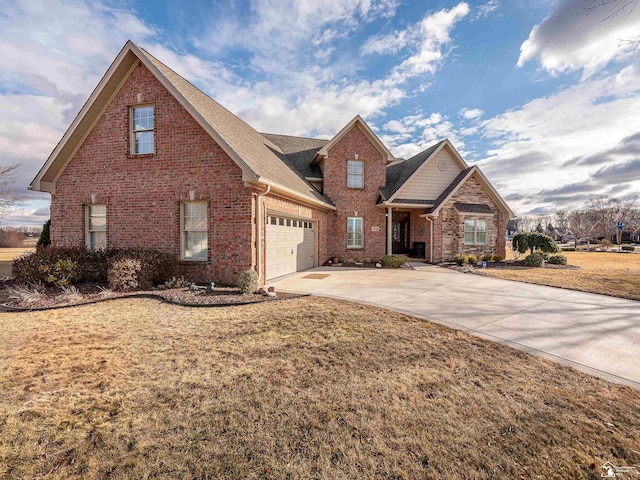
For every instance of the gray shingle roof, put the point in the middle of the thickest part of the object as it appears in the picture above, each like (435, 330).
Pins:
(262, 156)
(472, 207)
(447, 191)
(399, 173)
(300, 151)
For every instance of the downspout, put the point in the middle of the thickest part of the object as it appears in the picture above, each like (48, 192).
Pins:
(430, 239)
(259, 232)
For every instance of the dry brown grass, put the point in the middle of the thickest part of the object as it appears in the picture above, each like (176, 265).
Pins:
(615, 274)
(8, 254)
(307, 388)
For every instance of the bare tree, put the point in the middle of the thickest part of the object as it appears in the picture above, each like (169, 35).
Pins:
(601, 209)
(8, 197)
(562, 219)
(612, 9)
(581, 225)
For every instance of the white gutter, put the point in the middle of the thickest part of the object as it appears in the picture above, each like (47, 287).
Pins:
(259, 231)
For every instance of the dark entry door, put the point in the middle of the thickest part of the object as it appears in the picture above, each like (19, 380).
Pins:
(400, 233)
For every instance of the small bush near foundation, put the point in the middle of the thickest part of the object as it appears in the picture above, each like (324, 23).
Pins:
(126, 274)
(534, 260)
(486, 257)
(177, 282)
(460, 258)
(138, 269)
(248, 281)
(472, 259)
(558, 259)
(61, 274)
(498, 258)
(393, 261)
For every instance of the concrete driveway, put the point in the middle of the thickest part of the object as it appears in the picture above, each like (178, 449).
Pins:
(594, 333)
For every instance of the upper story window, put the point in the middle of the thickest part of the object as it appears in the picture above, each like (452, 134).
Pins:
(475, 232)
(142, 134)
(96, 222)
(355, 174)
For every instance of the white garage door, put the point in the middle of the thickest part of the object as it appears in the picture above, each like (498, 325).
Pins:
(290, 246)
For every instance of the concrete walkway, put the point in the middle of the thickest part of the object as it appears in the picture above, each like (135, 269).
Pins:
(594, 333)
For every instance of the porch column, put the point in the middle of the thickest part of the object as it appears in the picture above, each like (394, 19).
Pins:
(389, 227)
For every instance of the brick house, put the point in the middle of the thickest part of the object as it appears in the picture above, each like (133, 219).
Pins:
(152, 162)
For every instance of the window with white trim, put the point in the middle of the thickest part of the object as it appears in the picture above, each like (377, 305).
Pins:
(96, 222)
(193, 226)
(355, 174)
(142, 133)
(475, 232)
(355, 232)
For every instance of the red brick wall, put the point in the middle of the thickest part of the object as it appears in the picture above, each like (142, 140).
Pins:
(349, 200)
(143, 193)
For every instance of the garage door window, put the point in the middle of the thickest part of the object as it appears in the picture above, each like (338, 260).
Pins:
(194, 231)
(355, 236)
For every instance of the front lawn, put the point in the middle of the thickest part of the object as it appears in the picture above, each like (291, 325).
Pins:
(304, 388)
(615, 274)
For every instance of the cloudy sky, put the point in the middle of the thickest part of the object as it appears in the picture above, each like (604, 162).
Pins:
(543, 95)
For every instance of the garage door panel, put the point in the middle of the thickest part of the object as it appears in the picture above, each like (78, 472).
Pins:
(290, 246)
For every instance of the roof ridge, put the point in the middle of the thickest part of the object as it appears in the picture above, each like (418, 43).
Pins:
(295, 136)
(203, 93)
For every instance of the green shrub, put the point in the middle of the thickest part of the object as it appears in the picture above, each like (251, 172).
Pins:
(628, 248)
(60, 274)
(498, 258)
(534, 260)
(486, 257)
(533, 241)
(45, 235)
(393, 261)
(248, 281)
(472, 259)
(460, 259)
(558, 259)
(568, 249)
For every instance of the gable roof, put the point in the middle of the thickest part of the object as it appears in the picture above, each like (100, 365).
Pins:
(472, 207)
(261, 160)
(300, 151)
(453, 187)
(399, 173)
(357, 120)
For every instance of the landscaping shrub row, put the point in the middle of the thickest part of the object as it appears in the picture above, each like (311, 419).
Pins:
(121, 269)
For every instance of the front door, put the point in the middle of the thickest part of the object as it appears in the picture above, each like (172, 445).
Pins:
(400, 227)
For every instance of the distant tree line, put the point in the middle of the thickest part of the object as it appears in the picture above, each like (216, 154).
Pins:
(596, 221)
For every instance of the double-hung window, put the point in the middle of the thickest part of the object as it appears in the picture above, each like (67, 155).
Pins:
(475, 232)
(142, 134)
(355, 232)
(96, 222)
(355, 174)
(194, 231)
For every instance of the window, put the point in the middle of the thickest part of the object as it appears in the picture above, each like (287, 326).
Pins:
(355, 174)
(96, 227)
(475, 232)
(355, 237)
(142, 140)
(194, 231)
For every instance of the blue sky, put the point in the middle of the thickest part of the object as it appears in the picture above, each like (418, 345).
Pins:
(543, 95)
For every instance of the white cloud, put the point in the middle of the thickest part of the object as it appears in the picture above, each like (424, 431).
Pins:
(536, 145)
(486, 9)
(471, 113)
(429, 40)
(571, 39)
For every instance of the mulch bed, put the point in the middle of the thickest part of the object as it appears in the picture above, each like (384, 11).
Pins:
(507, 265)
(54, 297)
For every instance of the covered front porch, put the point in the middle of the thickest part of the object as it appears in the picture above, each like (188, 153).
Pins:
(408, 233)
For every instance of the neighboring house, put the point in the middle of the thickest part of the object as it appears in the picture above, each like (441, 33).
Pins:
(152, 162)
